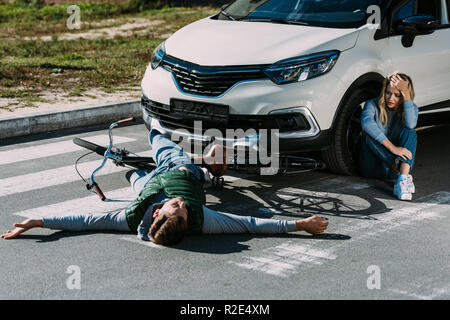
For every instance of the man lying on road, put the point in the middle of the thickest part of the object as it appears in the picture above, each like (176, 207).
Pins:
(171, 204)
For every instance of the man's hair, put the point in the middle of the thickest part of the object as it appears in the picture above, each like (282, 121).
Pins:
(168, 231)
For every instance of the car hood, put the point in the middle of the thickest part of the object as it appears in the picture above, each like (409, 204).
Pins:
(212, 42)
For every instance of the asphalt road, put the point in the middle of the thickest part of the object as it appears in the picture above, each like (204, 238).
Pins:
(376, 247)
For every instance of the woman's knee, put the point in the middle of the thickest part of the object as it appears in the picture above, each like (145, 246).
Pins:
(408, 139)
(408, 132)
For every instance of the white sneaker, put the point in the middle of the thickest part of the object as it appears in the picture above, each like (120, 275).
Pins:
(411, 187)
(401, 189)
(155, 124)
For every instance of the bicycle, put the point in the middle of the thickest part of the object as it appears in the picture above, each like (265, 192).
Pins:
(123, 157)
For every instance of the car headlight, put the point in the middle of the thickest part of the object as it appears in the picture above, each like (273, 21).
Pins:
(158, 55)
(302, 68)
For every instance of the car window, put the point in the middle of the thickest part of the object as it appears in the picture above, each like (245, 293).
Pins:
(407, 10)
(429, 8)
(323, 13)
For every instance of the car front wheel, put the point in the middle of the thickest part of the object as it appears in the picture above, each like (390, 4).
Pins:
(342, 155)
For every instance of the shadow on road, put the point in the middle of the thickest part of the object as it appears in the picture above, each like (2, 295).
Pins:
(57, 235)
(306, 194)
(264, 199)
(234, 243)
(213, 244)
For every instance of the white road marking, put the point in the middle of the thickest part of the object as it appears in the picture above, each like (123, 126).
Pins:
(284, 260)
(436, 293)
(120, 198)
(54, 177)
(425, 208)
(52, 149)
(134, 239)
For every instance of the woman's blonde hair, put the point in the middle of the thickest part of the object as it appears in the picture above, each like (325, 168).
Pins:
(382, 100)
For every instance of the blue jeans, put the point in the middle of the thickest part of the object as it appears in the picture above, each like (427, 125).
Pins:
(375, 160)
(168, 156)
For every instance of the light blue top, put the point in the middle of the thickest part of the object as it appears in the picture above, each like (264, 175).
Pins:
(371, 123)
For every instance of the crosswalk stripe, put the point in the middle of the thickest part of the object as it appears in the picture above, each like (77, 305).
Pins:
(52, 149)
(120, 198)
(134, 239)
(284, 260)
(425, 208)
(57, 176)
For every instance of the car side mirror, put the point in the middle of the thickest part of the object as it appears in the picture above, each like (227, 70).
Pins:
(414, 26)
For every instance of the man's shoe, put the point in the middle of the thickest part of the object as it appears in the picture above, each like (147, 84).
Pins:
(401, 189)
(155, 124)
(217, 169)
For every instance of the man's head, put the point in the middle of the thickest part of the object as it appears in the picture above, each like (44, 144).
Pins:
(170, 222)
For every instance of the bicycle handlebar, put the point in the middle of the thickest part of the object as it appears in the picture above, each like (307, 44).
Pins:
(98, 191)
(126, 121)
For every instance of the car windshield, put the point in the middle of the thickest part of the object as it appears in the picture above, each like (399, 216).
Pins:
(322, 13)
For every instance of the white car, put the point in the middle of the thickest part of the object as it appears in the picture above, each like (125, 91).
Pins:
(304, 67)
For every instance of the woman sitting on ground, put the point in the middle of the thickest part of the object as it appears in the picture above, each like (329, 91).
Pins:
(389, 138)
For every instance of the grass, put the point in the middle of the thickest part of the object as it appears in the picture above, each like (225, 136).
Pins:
(25, 98)
(30, 65)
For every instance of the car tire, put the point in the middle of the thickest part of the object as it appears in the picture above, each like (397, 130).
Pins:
(342, 155)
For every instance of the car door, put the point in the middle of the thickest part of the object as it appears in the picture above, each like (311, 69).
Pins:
(427, 61)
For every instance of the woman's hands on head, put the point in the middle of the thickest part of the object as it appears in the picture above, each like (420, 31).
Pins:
(402, 85)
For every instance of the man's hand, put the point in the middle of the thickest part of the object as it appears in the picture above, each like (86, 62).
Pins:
(22, 227)
(313, 225)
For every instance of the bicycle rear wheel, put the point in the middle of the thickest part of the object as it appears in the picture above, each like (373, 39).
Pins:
(143, 163)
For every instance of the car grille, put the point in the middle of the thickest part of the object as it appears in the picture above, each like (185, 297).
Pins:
(245, 122)
(210, 81)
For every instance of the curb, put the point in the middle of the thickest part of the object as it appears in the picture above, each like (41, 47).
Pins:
(77, 118)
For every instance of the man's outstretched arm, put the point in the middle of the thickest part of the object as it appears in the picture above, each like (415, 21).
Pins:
(216, 222)
(22, 227)
(111, 221)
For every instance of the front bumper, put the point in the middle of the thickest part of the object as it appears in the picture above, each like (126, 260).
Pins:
(310, 139)
(252, 105)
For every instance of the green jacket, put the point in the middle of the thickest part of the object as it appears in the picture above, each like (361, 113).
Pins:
(175, 183)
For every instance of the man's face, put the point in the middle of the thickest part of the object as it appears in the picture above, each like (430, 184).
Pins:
(173, 207)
